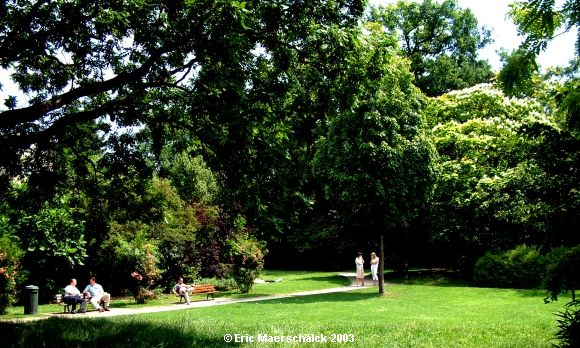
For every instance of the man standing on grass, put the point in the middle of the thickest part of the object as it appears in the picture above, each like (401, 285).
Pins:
(98, 295)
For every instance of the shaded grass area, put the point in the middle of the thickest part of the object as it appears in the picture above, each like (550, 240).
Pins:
(408, 315)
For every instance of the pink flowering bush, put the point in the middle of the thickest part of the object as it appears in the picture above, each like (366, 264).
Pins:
(10, 255)
(247, 255)
(141, 294)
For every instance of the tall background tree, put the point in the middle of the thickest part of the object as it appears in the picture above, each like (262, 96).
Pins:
(441, 40)
(375, 162)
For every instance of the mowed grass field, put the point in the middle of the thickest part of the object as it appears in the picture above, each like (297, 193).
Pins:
(407, 315)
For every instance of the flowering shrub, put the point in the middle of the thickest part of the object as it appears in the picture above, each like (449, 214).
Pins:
(141, 294)
(10, 255)
(247, 255)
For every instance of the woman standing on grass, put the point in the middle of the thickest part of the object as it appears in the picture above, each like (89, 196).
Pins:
(360, 272)
(374, 268)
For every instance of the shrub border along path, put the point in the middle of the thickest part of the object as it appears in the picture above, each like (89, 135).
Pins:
(196, 304)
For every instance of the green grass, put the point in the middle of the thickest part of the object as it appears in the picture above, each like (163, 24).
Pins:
(292, 281)
(408, 315)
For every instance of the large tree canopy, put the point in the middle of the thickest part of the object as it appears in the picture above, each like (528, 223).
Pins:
(78, 61)
(441, 40)
(507, 174)
(128, 59)
(120, 90)
(374, 162)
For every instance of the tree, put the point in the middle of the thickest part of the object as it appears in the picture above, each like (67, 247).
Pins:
(539, 22)
(374, 162)
(232, 80)
(440, 40)
(507, 174)
(518, 73)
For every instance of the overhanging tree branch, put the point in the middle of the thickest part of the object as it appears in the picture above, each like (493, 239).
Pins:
(24, 140)
(11, 118)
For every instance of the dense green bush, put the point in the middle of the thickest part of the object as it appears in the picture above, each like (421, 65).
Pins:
(522, 267)
(220, 284)
(562, 271)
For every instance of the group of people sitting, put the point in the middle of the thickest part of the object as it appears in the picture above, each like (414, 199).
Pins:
(93, 292)
(96, 295)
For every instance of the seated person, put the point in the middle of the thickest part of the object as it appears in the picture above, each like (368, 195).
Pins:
(72, 296)
(98, 295)
(181, 289)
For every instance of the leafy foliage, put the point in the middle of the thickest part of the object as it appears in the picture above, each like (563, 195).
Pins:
(247, 255)
(374, 161)
(441, 41)
(517, 75)
(522, 267)
(507, 173)
(563, 275)
(539, 20)
(10, 255)
(562, 272)
(568, 332)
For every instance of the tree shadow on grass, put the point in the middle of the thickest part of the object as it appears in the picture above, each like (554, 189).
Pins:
(448, 278)
(429, 277)
(58, 332)
(348, 296)
(336, 279)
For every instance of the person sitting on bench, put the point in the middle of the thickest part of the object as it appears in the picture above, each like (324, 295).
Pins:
(181, 289)
(98, 295)
(72, 296)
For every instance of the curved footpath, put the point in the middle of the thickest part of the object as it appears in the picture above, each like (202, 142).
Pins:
(202, 303)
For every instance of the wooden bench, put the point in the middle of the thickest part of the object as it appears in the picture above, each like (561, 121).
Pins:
(59, 299)
(207, 289)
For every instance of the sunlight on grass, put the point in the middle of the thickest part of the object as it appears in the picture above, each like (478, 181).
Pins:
(408, 315)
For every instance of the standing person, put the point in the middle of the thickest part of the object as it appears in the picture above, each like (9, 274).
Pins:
(98, 295)
(181, 289)
(374, 268)
(72, 296)
(360, 272)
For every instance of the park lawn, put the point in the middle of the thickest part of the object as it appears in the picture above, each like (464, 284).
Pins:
(406, 316)
(291, 281)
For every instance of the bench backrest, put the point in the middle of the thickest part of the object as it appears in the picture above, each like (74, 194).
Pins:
(203, 288)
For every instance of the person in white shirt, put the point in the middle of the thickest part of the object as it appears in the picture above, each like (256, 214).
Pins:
(98, 295)
(72, 296)
(375, 268)
(181, 289)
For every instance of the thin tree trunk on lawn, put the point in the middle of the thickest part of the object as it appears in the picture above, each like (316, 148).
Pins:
(381, 267)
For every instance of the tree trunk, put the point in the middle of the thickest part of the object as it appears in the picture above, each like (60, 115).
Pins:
(381, 267)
